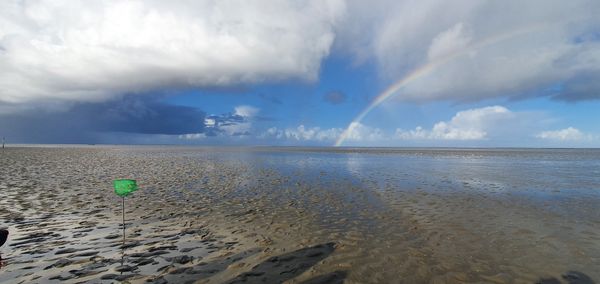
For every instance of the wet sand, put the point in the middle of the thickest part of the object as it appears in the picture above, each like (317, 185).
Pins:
(270, 215)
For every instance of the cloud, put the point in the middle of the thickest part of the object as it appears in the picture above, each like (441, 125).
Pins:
(478, 50)
(473, 124)
(359, 133)
(192, 136)
(490, 126)
(334, 97)
(567, 134)
(101, 122)
(486, 126)
(246, 111)
(448, 42)
(584, 87)
(87, 52)
(302, 133)
(77, 51)
(237, 123)
(229, 124)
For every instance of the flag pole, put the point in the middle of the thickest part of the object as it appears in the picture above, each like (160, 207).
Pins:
(123, 221)
(123, 246)
(124, 187)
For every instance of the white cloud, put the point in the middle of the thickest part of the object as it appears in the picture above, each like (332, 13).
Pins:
(236, 129)
(246, 111)
(302, 133)
(236, 124)
(485, 126)
(358, 133)
(192, 136)
(472, 124)
(91, 51)
(497, 48)
(449, 41)
(210, 122)
(567, 134)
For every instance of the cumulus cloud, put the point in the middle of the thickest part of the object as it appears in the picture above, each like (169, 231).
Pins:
(479, 49)
(358, 133)
(236, 123)
(472, 124)
(92, 51)
(302, 133)
(246, 111)
(70, 63)
(485, 126)
(567, 134)
(192, 136)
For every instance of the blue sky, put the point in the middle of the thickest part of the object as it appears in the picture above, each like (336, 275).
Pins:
(468, 73)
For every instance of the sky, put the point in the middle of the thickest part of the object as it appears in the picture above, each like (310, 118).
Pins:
(385, 73)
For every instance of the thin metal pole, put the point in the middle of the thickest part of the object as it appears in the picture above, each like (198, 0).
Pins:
(123, 221)
(123, 246)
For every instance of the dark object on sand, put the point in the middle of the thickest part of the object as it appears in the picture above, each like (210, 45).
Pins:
(3, 236)
(576, 277)
(572, 277)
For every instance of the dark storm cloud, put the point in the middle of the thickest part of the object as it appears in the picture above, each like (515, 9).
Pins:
(584, 87)
(85, 122)
(334, 97)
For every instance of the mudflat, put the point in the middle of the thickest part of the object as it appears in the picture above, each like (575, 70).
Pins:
(301, 215)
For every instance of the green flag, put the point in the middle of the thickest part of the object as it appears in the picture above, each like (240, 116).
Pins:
(124, 187)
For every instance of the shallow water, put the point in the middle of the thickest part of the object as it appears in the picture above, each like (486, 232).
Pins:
(392, 215)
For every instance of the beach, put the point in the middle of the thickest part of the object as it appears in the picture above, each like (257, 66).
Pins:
(300, 215)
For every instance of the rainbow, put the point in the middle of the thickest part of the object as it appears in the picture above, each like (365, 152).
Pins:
(424, 70)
